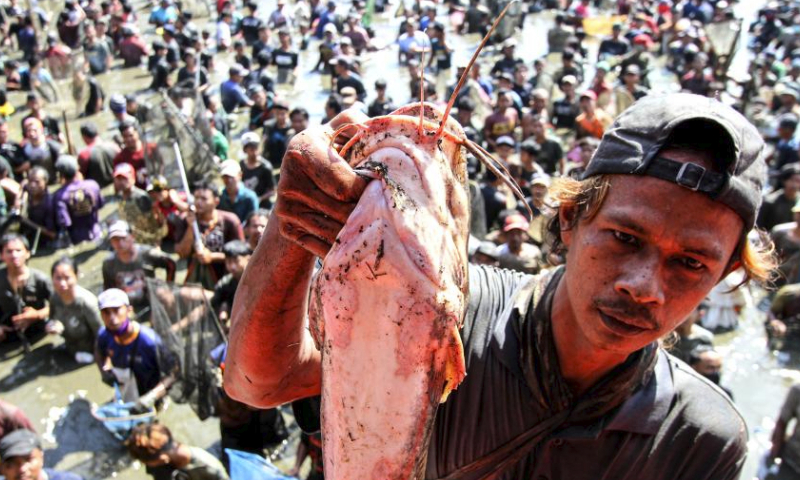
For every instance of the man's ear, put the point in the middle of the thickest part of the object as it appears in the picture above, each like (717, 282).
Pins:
(567, 219)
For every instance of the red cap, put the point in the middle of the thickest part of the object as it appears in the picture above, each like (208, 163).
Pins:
(125, 170)
(643, 39)
(516, 222)
(589, 94)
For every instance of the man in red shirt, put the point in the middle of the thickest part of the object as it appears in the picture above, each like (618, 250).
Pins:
(132, 48)
(135, 152)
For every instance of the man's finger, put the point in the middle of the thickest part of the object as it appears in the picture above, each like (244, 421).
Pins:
(309, 242)
(307, 220)
(311, 157)
(316, 201)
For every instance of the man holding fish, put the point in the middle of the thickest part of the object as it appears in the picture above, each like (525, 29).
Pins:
(565, 377)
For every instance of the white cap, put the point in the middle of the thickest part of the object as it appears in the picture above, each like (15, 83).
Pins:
(230, 168)
(119, 228)
(113, 298)
(250, 138)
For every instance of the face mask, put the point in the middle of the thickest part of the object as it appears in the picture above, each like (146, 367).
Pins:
(122, 328)
(713, 377)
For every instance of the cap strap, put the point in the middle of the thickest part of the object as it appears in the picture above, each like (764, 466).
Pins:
(687, 174)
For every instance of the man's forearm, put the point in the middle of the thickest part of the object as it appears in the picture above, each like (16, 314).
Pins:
(268, 339)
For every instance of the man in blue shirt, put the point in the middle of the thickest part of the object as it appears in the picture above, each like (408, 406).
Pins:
(21, 457)
(165, 13)
(235, 196)
(131, 355)
(232, 92)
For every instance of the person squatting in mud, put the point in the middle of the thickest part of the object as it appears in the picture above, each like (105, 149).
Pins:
(565, 376)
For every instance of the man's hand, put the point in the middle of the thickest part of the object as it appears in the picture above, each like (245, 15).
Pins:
(54, 327)
(204, 256)
(318, 189)
(4, 331)
(777, 328)
(23, 320)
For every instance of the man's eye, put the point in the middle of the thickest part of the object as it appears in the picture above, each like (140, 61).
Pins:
(625, 238)
(692, 264)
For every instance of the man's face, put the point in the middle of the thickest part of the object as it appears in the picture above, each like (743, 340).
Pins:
(299, 122)
(515, 238)
(259, 98)
(538, 128)
(710, 364)
(3, 133)
(15, 253)
(123, 183)
(36, 184)
(235, 265)
(504, 151)
(114, 317)
(129, 138)
(255, 228)
(538, 192)
(230, 181)
(645, 261)
(587, 104)
(205, 202)
(568, 88)
(28, 467)
(503, 102)
(280, 115)
(33, 131)
(122, 245)
(792, 184)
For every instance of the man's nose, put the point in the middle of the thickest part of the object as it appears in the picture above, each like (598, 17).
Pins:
(641, 281)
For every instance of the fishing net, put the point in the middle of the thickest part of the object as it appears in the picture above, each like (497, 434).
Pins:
(183, 317)
(179, 117)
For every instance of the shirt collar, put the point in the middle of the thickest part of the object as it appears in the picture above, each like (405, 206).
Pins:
(643, 412)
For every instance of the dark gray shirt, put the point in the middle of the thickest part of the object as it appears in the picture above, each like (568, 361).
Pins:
(679, 426)
(81, 320)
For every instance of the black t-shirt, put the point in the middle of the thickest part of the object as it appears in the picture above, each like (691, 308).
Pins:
(35, 293)
(159, 69)
(613, 47)
(284, 59)
(376, 108)
(276, 140)
(130, 277)
(224, 291)
(352, 81)
(188, 79)
(565, 113)
(259, 179)
(12, 152)
(250, 26)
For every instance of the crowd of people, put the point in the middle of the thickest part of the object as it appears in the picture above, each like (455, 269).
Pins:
(541, 120)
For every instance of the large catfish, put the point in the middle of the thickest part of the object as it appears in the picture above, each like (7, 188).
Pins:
(387, 305)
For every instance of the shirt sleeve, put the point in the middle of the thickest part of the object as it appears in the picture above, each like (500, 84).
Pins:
(789, 409)
(63, 219)
(93, 318)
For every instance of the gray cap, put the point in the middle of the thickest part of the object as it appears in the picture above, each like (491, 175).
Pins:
(632, 145)
(19, 443)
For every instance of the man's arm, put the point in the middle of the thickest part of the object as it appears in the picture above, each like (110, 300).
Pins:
(270, 324)
(272, 358)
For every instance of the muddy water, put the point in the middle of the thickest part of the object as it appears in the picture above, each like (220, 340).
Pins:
(44, 384)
